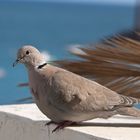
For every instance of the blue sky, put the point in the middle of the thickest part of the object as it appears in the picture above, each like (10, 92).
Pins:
(120, 2)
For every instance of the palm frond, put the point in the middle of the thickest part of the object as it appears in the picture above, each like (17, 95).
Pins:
(115, 63)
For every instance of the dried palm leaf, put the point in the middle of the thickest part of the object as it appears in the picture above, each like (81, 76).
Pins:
(114, 63)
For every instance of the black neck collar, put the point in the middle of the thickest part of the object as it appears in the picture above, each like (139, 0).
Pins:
(42, 65)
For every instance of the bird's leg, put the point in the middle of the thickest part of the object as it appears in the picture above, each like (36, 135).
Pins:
(63, 124)
(50, 122)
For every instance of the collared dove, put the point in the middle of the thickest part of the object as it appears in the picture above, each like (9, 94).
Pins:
(65, 97)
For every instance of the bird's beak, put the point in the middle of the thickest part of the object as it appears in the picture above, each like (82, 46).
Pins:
(16, 62)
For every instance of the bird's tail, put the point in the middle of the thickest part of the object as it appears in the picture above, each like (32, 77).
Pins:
(129, 111)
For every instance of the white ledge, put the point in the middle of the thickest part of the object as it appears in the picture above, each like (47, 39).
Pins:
(26, 122)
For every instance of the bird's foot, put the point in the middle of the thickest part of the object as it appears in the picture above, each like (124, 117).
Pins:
(63, 124)
(50, 122)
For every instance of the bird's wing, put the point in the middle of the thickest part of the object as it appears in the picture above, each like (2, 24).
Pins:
(73, 92)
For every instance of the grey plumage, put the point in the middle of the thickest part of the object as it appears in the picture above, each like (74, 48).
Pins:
(64, 96)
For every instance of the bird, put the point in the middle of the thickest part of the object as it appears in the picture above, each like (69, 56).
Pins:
(67, 98)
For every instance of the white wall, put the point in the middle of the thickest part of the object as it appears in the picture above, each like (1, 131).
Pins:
(26, 122)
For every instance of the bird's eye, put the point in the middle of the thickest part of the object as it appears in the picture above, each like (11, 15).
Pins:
(27, 52)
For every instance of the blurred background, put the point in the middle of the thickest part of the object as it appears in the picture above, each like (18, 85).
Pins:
(53, 26)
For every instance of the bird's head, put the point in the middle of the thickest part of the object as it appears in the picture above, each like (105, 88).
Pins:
(30, 56)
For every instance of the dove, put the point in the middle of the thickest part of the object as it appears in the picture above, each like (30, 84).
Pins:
(67, 98)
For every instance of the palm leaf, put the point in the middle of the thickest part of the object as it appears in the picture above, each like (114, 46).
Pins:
(114, 63)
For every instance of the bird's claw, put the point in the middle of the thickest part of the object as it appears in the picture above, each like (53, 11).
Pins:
(62, 125)
(50, 122)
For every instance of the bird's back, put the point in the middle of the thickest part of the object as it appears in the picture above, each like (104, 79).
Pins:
(64, 95)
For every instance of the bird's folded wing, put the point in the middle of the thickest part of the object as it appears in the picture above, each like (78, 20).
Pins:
(70, 91)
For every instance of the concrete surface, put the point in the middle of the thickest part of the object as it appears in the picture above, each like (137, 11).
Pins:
(26, 122)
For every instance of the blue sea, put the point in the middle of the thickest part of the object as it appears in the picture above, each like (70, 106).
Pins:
(51, 27)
